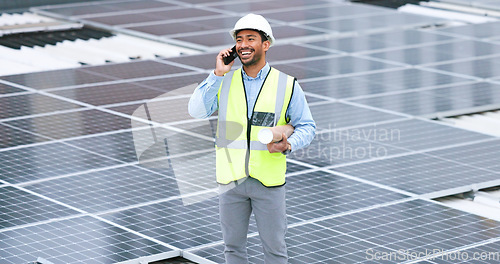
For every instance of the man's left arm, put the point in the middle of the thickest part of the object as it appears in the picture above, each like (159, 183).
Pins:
(301, 119)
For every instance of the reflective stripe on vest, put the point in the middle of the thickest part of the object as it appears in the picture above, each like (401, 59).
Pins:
(238, 152)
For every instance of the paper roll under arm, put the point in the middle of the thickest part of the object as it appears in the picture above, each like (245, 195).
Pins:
(274, 134)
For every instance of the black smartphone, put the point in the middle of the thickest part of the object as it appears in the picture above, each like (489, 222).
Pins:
(231, 57)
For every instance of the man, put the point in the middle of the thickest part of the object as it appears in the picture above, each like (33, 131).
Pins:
(249, 99)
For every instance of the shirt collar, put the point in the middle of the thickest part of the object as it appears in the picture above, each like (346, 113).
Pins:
(260, 76)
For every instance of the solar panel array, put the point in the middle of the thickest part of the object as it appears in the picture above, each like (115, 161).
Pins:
(74, 189)
(480, 4)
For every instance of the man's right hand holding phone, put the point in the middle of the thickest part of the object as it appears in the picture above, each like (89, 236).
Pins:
(220, 67)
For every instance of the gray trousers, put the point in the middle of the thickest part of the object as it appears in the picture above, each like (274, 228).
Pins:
(269, 208)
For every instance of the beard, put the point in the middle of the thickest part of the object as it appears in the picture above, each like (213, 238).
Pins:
(253, 60)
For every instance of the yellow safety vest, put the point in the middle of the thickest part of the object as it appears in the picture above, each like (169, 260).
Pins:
(238, 151)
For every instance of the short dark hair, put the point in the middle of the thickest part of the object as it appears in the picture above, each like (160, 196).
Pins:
(263, 35)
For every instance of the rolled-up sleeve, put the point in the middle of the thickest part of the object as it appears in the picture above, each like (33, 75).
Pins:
(203, 101)
(301, 119)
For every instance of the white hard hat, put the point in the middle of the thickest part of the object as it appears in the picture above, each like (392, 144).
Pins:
(254, 22)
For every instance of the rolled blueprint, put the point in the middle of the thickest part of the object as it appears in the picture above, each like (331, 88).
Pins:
(274, 134)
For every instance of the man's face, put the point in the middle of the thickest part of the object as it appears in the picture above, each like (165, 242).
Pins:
(250, 47)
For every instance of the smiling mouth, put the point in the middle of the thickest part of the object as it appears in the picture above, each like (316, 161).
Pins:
(245, 54)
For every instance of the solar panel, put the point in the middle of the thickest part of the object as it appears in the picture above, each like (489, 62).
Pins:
(419, 103)
(46, 161)
(106, 8)
(483, 253)
(173, 223)
(372, 22)
(336, 65)
(171, 28)
(337, 148)
(384, 40)
(152, 16)
(477, 67)
(136, 69)
(12, 137)
(315, 195)
(478, 155)
(118, 146)
(482, 30)
(109, 94)
(221, 38)
(378, 83)
(21, 105)
(78, 10)
(439, 52)
(406, 230)
(172, 83)
(56, 78)
(188, 229)
(82, 239)
(488, 4)
(421, 174)
(23, 208)
(277, 53)
(7, 89)
(475, 94)
(324, 12)
(109, 189)
(137, 5)
(339, 115)
(248, 7)
(82, 123)
(413, 134)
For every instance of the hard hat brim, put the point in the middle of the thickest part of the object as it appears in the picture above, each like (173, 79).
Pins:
(232, 32)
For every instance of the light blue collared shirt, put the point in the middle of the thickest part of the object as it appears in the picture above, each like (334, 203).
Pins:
(203, 103)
